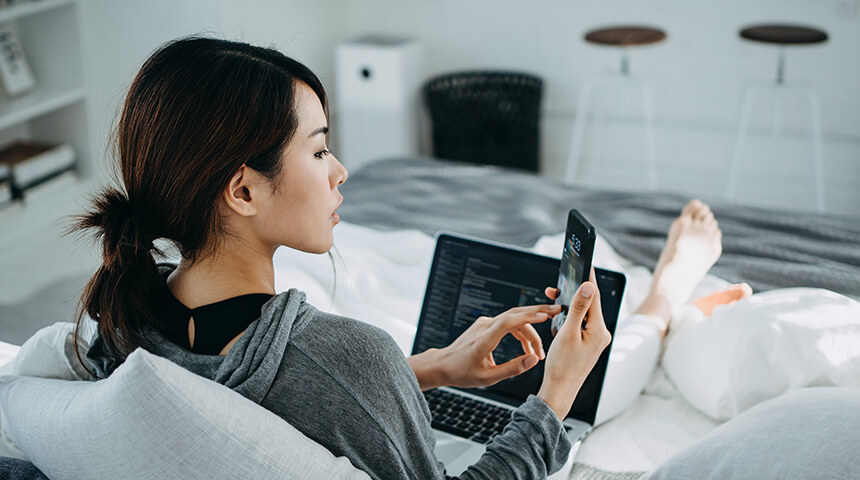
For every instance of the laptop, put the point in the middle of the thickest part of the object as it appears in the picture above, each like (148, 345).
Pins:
(469, 278)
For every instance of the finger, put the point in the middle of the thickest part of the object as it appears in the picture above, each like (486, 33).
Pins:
(596, 329)
(530, 334)
(511, 368)
(551, 292)
(595, 311)
(579, 305)
(528, 347)
(514, 319)
(530, 340)
(547, 308)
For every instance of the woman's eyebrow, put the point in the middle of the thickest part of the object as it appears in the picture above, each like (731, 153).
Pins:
(323, 130)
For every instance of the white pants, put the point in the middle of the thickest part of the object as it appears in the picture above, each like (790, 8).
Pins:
(633, 356)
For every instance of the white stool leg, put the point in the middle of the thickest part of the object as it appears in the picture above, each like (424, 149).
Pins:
(816, 161)
(650, 149)
(776, 119)
(740, 138)
(575, 154)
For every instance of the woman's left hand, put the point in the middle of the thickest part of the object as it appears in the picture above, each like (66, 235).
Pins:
(468, 362)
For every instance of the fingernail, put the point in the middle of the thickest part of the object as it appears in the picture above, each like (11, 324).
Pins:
(555, 307)
(540, 314)
(586, 290)
(531, 362)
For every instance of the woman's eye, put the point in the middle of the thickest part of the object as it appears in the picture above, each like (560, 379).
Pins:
(322, 153)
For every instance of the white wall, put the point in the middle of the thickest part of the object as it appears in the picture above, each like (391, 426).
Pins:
(696, 75)
(118, 36)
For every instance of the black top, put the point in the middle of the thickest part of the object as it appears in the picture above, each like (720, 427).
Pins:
(215, 324)
(784, 34)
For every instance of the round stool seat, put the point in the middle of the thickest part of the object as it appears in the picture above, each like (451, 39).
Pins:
(625, 36)
(784, 34)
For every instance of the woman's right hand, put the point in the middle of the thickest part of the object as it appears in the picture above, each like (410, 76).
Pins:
(574, 350)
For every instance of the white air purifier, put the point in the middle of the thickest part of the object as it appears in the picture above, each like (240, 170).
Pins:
(377, 99)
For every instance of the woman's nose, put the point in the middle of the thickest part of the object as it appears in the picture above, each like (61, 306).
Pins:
(338, 174)
(343, 173)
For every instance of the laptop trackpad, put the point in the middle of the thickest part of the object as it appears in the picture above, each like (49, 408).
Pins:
(456, 453)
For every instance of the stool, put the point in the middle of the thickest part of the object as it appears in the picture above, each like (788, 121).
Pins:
(486, 117)
(782, 35)
(624, 37)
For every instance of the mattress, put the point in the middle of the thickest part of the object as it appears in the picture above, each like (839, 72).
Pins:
(381, 277)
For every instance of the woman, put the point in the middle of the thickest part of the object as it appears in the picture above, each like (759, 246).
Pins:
(222, 152)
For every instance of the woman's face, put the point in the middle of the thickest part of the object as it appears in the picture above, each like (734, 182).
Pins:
(300, 213)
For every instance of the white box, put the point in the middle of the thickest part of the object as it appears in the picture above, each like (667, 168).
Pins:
(377, 99)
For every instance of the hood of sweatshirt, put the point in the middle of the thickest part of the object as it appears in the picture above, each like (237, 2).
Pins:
(251, 364)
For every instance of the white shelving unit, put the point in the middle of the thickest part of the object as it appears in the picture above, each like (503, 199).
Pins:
(55, 111)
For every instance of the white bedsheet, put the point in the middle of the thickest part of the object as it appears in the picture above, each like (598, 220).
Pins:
(382, 279)
(7, 353)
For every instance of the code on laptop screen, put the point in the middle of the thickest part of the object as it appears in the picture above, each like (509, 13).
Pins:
(469, 279)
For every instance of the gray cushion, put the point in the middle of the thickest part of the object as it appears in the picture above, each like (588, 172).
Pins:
(154, 419)
(806, 433)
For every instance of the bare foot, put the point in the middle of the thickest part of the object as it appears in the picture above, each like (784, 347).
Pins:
(732, 294)
(692, 248)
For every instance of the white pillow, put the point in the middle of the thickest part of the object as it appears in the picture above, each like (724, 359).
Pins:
(49, 353)
(763, 346)
(806, 433)
(153, 419)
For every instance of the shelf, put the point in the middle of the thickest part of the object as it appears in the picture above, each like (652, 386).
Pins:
(37, 103)
(43, 207)
(25, 9)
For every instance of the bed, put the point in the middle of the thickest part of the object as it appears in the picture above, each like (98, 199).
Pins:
(394, 207)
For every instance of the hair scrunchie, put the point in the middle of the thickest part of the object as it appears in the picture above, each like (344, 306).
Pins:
(132, 236)
(120, 223)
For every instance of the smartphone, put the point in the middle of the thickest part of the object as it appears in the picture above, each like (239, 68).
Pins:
(575, 266)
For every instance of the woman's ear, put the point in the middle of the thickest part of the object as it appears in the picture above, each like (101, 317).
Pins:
(242, 191)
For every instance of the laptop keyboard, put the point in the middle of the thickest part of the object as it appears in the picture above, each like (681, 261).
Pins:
(465, 417)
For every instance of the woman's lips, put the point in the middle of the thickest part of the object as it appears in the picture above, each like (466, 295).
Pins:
(335, 217)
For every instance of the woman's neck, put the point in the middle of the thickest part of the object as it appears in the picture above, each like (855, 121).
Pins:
(230, 273)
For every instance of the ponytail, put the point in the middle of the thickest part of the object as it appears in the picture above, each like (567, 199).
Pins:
(120, 297)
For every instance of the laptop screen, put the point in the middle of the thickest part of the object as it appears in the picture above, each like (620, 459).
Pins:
(469, 279)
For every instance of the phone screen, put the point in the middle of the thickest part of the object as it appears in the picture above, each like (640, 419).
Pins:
(575, 263)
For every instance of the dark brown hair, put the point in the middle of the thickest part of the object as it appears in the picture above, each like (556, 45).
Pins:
(198, 110)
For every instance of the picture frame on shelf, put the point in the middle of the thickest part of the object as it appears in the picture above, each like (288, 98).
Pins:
(16, 76)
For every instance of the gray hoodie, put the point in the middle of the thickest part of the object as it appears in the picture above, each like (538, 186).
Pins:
(346, 385)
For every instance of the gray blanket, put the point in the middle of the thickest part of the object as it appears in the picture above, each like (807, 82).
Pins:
(765, 247)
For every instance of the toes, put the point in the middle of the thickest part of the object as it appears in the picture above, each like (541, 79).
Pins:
(692, 207)
(704, 213)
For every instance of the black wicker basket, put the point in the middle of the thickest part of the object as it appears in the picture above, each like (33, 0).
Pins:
(486, 117)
